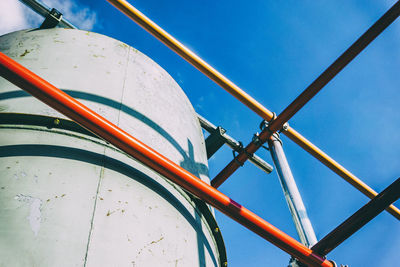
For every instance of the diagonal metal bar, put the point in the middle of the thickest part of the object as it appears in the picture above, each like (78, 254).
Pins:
(313, 89)
(238, 161)
(235, 145)
(358, 219)
(246, 99)
(377, 28)
(59, 100)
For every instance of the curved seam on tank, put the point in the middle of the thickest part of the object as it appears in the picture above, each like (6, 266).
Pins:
(123, 86)
(63, 132)
(37, 128)
(177, 188)
(113, 104)
(180, 149)
(107, 159)
(95, 205)
(183, 193)
(192, 201)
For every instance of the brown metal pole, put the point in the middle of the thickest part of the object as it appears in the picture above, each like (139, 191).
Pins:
(313, 89)
(358, 219)
(309, 147)
(377, 28)
(242, 96)
(238, 161)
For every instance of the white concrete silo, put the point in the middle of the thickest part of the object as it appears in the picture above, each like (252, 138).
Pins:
(68, 198)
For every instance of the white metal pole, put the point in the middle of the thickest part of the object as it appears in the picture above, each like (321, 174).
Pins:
(292, 194)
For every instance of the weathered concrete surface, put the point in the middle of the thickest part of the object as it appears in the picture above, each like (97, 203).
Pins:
(67, 199)
(113, 79)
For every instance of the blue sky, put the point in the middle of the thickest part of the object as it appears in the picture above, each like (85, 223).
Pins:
(274, 50)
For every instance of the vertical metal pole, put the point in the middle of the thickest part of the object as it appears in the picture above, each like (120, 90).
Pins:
(292, 194)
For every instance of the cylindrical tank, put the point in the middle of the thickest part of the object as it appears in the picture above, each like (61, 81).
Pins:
(68, 198)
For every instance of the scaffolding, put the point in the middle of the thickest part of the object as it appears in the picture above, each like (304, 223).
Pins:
(309, 251)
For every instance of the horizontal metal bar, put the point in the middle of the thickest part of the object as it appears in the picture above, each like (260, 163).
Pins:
(59, 100)
(235, 145)
(44, 10)
(358, 219)
(241, 158)
(246, 99)
(205, 124)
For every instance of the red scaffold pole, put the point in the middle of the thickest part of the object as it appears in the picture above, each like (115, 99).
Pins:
(57, 99)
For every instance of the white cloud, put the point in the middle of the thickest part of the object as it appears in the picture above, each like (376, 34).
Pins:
(81, 16)
(16, 16)
(12, 17)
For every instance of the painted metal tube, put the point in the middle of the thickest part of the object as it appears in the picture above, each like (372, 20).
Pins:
(191, 57)
(358, 219)
(44, 10)
(240, 159)
(235, 145)
(314, 88)
(291, 192)
(312, 149)
(54, 97)
(251, 103)
(377, 28)
(337, 168)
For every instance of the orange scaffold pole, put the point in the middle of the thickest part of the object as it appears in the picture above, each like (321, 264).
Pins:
(246, 99)
(70, 107)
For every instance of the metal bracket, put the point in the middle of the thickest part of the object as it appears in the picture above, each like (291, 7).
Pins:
(295, 263)
(256, 139)
(264, 124)
(215, 141)
(52, 19)
(236, 146)
(285, 127)
(276, 136)
(234, 156)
